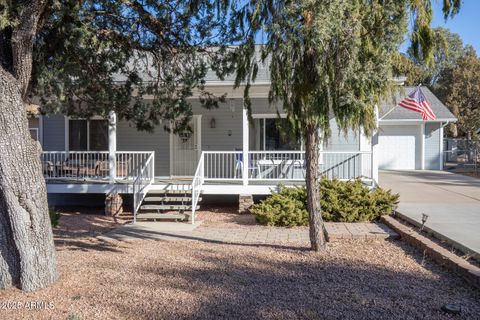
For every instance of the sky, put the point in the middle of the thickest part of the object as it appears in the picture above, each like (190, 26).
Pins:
(466, 23)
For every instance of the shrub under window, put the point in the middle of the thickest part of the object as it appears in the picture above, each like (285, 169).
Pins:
(341, 201)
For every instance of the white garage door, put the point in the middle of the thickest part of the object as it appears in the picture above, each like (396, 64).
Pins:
(397, 147)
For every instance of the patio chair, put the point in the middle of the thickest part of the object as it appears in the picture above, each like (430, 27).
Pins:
(296, 164)
(101, 168)
(252, 167)
(66, 169)
(48, 168)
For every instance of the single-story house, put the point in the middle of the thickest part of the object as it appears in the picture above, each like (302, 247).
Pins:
(101, 156)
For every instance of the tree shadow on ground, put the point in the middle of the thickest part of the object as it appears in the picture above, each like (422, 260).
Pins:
(78, 229)
(286, 284)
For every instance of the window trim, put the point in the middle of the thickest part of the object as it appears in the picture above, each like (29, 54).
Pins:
(67, 131)
(37, 132)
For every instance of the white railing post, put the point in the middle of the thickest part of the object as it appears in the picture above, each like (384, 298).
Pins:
(112, 146)
(245, 147)
(193, 203)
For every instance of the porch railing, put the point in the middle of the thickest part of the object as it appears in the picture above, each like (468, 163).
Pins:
(345, 165)
(144, 177)
(129, 162)
(75, 164)
(90, 165)
(197, 182)
(223, 165)
(285, 165)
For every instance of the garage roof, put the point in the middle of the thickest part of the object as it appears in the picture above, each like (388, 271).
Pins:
(390, 110)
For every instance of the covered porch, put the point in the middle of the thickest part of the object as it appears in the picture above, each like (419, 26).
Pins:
(258, 155)
(193, 170)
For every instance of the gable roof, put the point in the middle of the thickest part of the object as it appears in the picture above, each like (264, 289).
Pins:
(390, 110)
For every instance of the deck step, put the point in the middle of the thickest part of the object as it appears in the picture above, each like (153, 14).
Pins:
(167, 207)
(152, 192)
(169, 199)
(163, 216)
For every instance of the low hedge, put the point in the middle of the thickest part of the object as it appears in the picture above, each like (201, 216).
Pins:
(283, 208)
(341, 201)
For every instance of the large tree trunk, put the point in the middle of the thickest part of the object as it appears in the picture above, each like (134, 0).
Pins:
(317, 233)
(27, 252)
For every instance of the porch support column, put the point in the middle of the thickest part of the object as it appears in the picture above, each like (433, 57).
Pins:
(245, 146)
(374, 148)
(112, 145)
(422, 146)
(365, 145)
(441, 144)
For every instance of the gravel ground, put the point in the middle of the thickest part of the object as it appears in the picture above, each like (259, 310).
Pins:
(225, 217)
(196, 280)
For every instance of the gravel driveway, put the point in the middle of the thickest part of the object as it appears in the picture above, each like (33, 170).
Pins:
(148, 279)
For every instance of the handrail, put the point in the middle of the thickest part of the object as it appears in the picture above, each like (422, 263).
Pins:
(347, 160)
(197, 183)
(142, 182)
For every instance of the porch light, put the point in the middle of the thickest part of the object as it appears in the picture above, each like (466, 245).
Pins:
(213, 123)
(185, 136)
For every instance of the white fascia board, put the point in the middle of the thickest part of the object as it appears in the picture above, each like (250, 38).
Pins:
(414, 121)
(88, 188)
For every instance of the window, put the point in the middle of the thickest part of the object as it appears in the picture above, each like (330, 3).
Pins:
(98, 135)
(88, 135)
(273, 135)
(33, 127)
(34, 133)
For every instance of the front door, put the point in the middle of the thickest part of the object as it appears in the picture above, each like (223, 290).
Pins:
(185, 150)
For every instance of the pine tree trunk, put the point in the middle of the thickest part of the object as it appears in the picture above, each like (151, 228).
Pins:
(317, 234)
(27, 252)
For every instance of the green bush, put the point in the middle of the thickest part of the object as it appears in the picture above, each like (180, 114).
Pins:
(352, 201)
(283, 208)
(341, 201)
(54, 217)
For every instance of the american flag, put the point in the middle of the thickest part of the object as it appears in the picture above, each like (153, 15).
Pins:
(417, 102)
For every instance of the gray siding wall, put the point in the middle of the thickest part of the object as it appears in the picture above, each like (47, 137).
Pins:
(227, 134)
(129, 139)
(54, 133)
(339, 142)
(261, 106)
(432, 146)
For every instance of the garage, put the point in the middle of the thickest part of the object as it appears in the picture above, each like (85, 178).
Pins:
(399, 147)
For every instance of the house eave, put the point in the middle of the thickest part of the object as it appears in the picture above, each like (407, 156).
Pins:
(419, 121)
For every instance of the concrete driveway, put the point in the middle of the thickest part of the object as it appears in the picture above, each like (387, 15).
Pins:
(452, 202)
